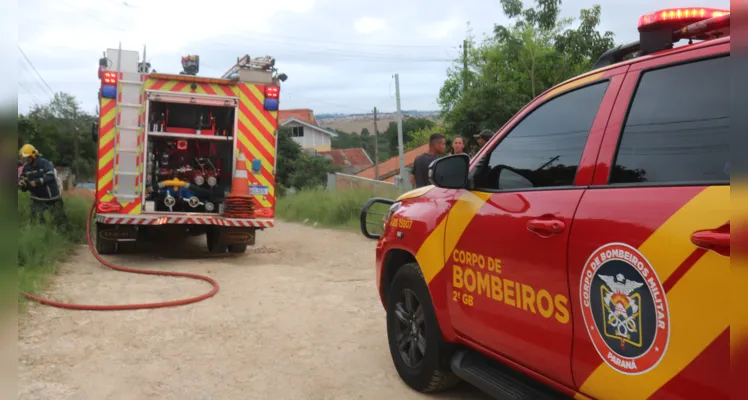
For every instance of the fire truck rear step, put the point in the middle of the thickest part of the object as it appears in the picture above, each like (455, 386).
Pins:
(498, 380)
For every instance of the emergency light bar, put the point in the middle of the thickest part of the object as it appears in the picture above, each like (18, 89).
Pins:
(272, 93)
(659, 30)
(108, 84)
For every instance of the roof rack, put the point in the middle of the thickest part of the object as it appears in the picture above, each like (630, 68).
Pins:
(662, 38)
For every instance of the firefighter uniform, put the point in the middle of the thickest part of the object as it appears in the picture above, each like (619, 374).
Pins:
(39, 178)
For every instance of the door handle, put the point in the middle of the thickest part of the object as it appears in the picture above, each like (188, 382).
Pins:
(717, 240)
(545, 227)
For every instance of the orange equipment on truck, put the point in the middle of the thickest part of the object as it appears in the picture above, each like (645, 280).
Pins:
(175, 152)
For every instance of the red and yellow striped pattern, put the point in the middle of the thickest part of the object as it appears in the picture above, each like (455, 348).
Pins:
(107, 133)
(256, 130)
(170, 85)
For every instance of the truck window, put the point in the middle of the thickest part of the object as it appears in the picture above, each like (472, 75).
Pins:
(677, 126)
(544, 149)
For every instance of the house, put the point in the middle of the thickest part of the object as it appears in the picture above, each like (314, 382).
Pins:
(350, 160)
(391, 167)
(305, 130)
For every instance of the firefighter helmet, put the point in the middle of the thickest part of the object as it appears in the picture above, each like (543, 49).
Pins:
(28, 151)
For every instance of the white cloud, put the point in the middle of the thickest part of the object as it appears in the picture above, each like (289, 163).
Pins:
(445, 28)
(367, 25)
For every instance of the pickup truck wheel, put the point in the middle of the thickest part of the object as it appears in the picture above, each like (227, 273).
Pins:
(415, 339)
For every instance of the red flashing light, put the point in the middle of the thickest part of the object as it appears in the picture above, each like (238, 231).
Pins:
(109, 78)
(182, 145)
(272, 92)
(112, 207)
(678, 17)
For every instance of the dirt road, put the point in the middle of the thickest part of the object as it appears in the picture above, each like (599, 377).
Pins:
(297, 317)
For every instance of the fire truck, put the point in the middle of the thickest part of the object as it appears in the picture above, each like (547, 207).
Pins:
(174, 147)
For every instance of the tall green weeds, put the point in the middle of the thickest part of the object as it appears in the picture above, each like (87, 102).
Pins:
(335, 209)
(42, 246)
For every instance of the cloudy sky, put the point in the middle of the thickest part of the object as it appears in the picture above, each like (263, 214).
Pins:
(339, 55)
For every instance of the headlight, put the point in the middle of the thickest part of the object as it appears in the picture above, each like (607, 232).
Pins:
(393, 208)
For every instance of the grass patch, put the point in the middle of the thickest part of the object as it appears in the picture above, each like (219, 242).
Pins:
(42, 246)
(333, 209)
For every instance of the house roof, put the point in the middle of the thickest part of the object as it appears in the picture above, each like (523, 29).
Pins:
(302, 114)
(392, 166)
(349, 158)
(308, 125)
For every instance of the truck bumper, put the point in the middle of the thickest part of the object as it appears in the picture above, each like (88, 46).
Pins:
(182, 219)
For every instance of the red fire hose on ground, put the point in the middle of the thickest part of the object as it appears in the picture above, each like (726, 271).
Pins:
(172, 303)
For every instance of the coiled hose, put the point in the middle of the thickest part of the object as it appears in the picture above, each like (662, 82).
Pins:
(121, 307)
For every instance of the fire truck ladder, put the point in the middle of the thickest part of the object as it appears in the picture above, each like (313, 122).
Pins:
(128, 125)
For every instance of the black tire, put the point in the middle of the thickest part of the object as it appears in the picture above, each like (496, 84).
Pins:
(237, 248)
(428, 372)
(214, 245)
(104, 246)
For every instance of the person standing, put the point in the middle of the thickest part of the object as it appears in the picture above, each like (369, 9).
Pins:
(482, 138)
(420, 174)
(39, 178)
(458, 145)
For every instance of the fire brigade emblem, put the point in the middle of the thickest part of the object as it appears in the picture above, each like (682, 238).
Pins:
(625, 309)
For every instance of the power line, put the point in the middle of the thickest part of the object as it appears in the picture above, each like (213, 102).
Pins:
(37, 72)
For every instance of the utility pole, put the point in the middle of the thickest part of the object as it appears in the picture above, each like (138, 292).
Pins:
(464, 65)
(405, 182)
(376, 146)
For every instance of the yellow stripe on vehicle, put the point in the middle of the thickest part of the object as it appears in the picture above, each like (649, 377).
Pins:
(257, 135)
(268, 125)
(696, 302)
(441, 242)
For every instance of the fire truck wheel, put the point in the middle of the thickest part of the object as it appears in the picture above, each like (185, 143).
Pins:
(104, 246)
(420, 355)
(214, 244)
(237, 248)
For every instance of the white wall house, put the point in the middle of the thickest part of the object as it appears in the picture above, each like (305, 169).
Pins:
(309, 136)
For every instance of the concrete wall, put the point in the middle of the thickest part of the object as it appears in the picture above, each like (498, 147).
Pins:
(343, 182)
(313, 138)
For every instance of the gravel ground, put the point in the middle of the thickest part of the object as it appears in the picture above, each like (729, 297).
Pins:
(297, 317)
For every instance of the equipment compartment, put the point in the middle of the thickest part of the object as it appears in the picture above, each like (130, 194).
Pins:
(191, 118)
(188, 175)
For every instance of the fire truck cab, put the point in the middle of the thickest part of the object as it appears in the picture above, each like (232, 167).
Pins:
(584, 252)
(185, 154)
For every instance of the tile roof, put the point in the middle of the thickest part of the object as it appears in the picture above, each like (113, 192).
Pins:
(349, 158)
(303, 114)
(392, 165)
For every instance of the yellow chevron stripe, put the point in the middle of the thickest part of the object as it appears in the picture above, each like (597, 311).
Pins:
(696, 302)
(268, 125)
(255, 154)
(263, 182)
(265, 164)
(259, 136)
(441, 242)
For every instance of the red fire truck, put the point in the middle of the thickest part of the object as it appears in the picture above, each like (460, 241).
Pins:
(168, 148)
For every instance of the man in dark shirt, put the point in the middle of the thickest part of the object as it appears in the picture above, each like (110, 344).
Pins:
(420, 174)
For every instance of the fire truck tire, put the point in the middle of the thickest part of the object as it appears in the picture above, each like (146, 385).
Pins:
(420, 355)
(237, 248)
(104, 246)
(214, 244)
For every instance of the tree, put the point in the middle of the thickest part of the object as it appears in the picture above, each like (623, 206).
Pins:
(296, 168)
(536, 51)
(410, 125)
(365, 132)
(55, 129)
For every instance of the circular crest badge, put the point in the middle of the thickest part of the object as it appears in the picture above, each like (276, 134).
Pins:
(624, 308)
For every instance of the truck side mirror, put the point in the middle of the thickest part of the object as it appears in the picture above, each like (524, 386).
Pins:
(450, 172)
(95, 131)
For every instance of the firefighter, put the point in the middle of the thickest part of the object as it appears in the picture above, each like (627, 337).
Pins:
(38, 177)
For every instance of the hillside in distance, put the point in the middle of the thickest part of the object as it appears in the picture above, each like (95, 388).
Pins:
(354, 123)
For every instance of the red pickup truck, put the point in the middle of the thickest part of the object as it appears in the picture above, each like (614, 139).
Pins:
(584, 252)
